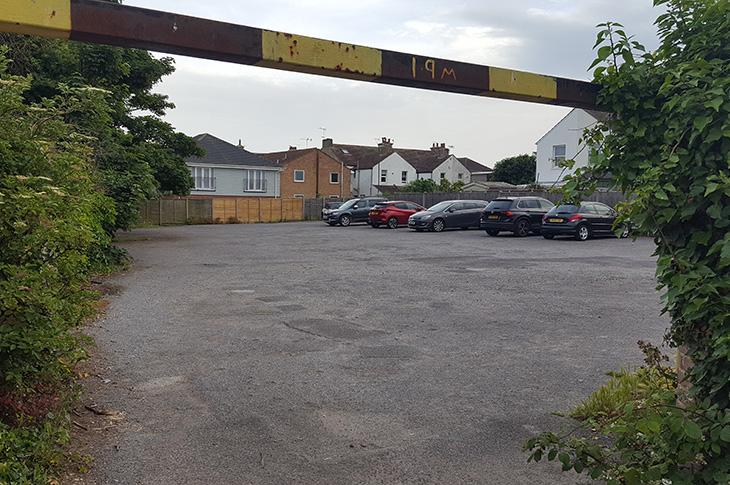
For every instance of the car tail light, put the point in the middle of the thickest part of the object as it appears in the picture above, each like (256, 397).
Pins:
(544, 217)
(575, 218)
(507, 213)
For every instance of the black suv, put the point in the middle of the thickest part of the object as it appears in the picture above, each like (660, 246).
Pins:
(354, 210)
(520, 215)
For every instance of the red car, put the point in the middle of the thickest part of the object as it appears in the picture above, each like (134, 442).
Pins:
(392, 213)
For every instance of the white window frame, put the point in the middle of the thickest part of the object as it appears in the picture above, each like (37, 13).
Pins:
(334, 177)
(443, 175)
(383, 176)
(461, 176)
(204, 178)
(556, 157)
(299, 179)
(255, 181)
(404, 176)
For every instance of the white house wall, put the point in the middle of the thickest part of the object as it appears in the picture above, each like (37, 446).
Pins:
(452, 167)
(567, 132)
(362, 183)
(394, 165)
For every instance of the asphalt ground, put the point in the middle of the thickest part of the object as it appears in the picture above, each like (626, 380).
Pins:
(300, 353)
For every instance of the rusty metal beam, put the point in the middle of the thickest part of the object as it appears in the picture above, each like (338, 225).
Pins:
(118, 25)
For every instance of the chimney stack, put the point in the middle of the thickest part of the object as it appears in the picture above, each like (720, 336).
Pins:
(440, 150)
(326, 143)
(385, 146)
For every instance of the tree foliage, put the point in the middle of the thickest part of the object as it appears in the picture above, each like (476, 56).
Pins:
(518, 170)
(428, 185)
(51, 219)
(420, 186)
(138, 154)
(667, 146)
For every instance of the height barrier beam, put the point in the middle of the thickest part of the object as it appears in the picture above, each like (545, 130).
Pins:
(113, 24)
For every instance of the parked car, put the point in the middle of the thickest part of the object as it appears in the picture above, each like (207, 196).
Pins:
(581, 222)
(328, 208)
(520, 215)
(354, 210)
(392, 213)
(448, 214)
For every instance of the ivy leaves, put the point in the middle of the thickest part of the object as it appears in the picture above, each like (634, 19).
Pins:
(667, 147)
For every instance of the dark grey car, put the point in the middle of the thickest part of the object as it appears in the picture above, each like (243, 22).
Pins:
(581, 222)
(354, 210)
(520, 215)
(448, 214)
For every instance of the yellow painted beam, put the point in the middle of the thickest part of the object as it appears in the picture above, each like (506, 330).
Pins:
(317, 56)
(521, 85)
(47, 18)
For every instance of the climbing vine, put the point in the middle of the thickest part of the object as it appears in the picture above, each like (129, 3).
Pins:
(667, 147)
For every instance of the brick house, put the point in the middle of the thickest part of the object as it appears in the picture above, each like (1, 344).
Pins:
(311, 173)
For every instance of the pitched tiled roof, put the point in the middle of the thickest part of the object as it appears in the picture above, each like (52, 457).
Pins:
(424, 161)
(221, 153)
(473, 166)
(356, 156)
(282, 158)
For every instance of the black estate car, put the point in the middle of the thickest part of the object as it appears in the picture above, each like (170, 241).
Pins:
(448, 213)
(520, 215)
(354, 210)
(581, 222)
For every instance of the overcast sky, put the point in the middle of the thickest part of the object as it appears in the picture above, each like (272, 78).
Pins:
(270, 110)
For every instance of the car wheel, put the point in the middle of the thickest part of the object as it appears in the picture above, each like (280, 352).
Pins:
(522, 228)
(582, 233)
(392, 223)
(492, 232)
(437, 225)
(624, 232)
(548, 236)
(345, 220)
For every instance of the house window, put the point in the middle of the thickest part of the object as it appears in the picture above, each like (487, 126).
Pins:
(299, 175)
(204, 178)
(404, 176)
(558, 154)
(298, 196)
(334, 178)
(443, 175)
(255, 181)
(383, 176)
(461, 176)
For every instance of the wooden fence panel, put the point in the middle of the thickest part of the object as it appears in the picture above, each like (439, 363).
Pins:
(293, 209)
(249, 210)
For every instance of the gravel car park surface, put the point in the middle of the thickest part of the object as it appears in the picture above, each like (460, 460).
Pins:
(300, 354)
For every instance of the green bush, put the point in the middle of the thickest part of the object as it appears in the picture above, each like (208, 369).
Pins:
(52, 238)
(634, 430)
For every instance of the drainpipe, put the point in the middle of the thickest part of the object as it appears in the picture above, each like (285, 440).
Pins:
(316, 183)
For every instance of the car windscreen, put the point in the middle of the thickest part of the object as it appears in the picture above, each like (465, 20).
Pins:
(564, 209)
(439, 207)
(499, 205)
(349, 204)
